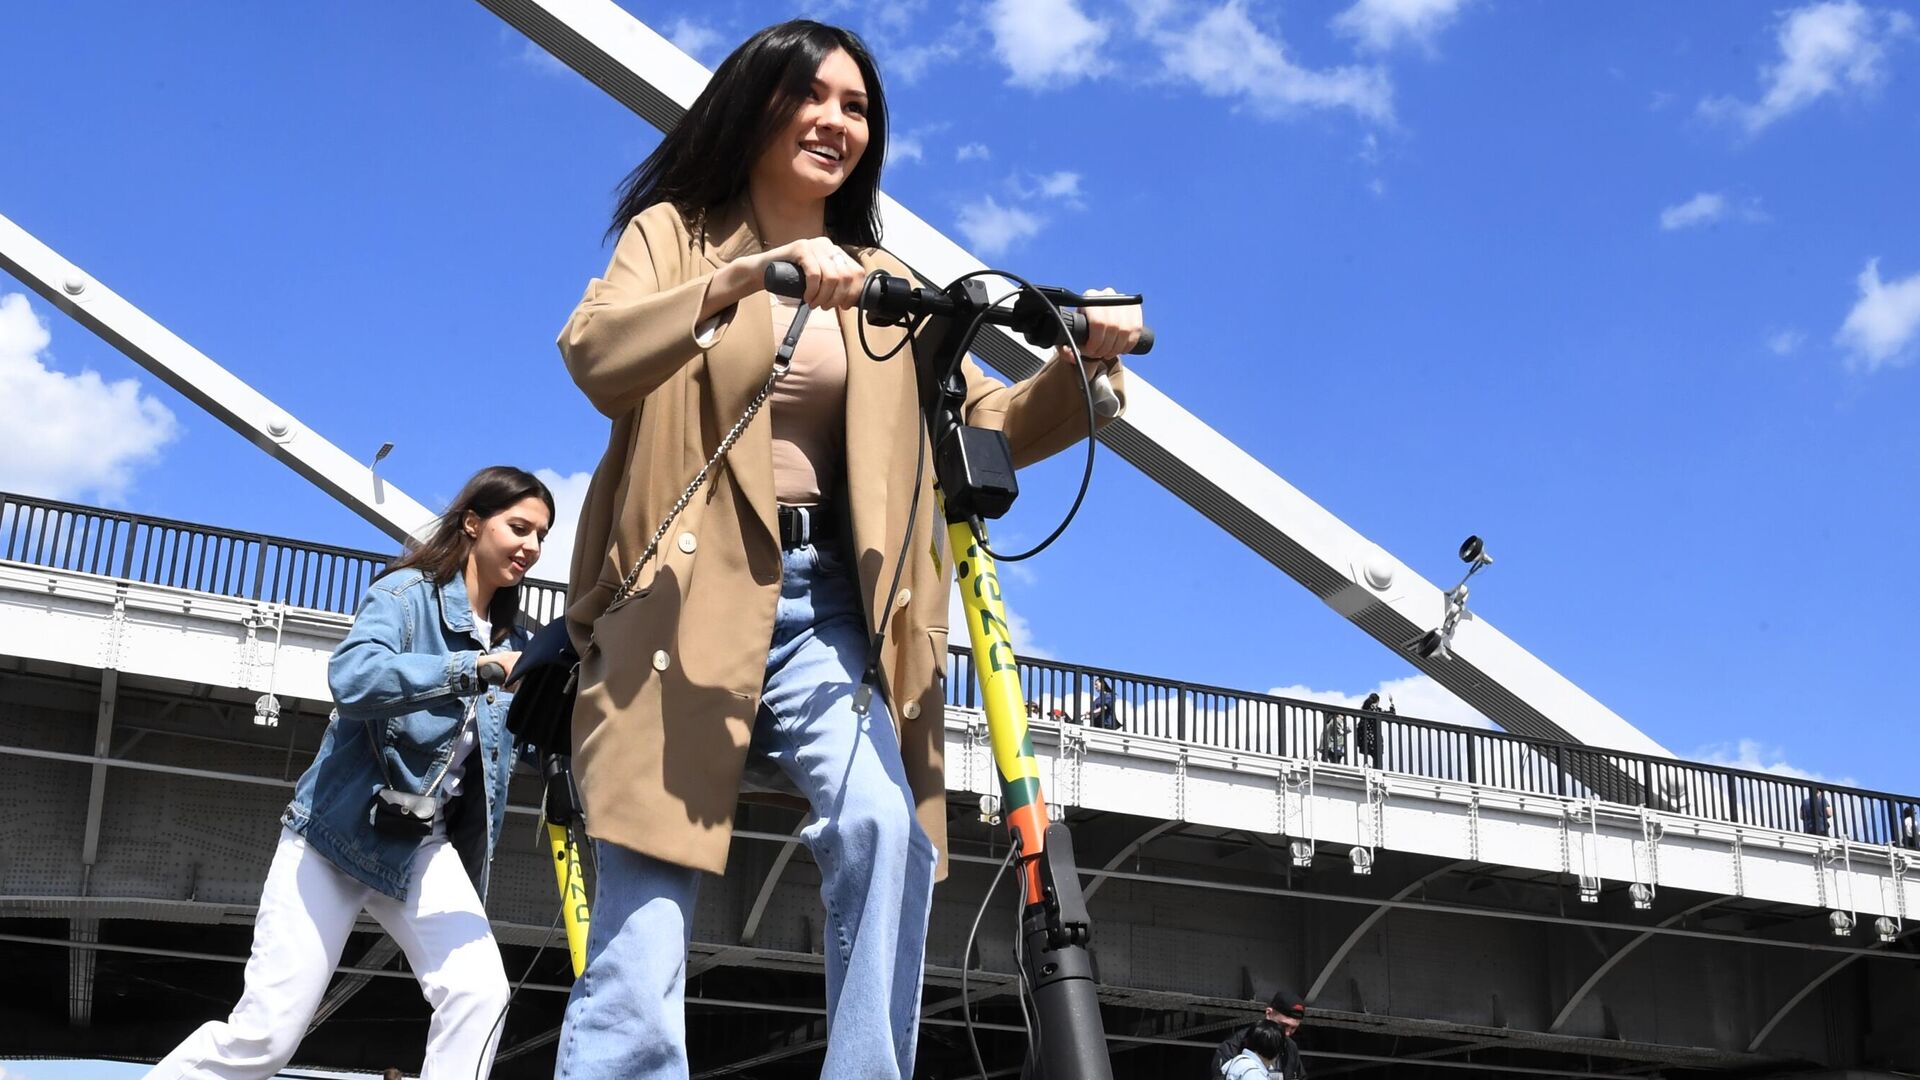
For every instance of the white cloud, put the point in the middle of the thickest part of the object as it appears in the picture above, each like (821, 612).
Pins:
(992, 229)
(540, 60)
(1707, 208)
(1883, 323)
(698, 40)
(1019, 628)
(973, 151)
(1149, 14)
(69, 436)
(1060, 185)
(1703, 209)
(1752, 756)
(1046, 43)
(1382, 24)
(569, 495)
(1417, 696)
(908, 63)
(1825, 49)
(1226, 55)
(903, 148)
(1786, 342)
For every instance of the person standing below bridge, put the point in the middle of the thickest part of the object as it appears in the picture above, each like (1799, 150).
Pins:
(399, 812)
(748, 636)
(1262, 1053)
(1284, 1014)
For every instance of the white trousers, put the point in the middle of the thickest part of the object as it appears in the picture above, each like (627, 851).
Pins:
(307, 910)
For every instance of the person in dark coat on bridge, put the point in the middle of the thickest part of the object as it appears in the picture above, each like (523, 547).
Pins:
(1366, 730)
(1101, 715)
(1816, 814)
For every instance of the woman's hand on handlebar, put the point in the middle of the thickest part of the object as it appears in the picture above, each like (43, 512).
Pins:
(1111, 331)
(833, 276)
(504, 663)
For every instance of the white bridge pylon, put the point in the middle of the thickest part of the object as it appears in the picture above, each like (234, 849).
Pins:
(1357, 578)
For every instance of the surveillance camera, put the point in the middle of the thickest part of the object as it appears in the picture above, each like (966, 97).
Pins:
(1886, 929)
(1301, 852)
(1432, 646)
(1472, 550)
(1841, 922)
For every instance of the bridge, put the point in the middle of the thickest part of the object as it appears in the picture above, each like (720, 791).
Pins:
(1476, 902)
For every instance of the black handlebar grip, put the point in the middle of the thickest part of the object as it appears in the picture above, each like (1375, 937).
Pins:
(785, 279)
(1077, 321)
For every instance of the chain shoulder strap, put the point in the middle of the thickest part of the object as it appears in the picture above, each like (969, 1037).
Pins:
(782, 360)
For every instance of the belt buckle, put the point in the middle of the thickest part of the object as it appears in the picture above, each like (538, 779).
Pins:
(801, 530)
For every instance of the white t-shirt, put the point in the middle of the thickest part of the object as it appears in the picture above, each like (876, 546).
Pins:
(469, 737)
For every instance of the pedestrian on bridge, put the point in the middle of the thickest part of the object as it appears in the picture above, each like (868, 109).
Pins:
(1816, 813)
(1333, 738)
(399, 812)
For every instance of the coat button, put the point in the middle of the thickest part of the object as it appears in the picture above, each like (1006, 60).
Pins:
(688, 543)
(905, 598)
(912, 711)
(661, 660)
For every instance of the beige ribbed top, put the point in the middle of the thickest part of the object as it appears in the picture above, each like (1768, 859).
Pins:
(809, 406)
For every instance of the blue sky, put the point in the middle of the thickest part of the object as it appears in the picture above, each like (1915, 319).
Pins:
(1631, 290)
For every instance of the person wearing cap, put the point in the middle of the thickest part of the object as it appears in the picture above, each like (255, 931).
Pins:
(1286, 1011)
(1265, 1046)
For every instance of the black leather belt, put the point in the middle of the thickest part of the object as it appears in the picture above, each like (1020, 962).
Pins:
(802, 525)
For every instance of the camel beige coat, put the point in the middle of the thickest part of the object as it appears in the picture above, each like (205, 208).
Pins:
(670, 681)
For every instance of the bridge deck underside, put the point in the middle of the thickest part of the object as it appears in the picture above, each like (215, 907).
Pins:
(1427, 966)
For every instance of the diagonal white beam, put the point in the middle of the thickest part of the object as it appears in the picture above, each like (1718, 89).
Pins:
(205, 383)
(646, 73)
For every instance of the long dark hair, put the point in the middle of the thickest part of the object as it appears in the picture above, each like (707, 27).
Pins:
(704, 162)
(1266, 1038)
(443, 554)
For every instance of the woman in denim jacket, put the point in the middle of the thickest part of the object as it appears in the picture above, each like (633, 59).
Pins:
(417, 711)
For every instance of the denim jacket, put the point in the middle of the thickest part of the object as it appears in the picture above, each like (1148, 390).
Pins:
(402, 682)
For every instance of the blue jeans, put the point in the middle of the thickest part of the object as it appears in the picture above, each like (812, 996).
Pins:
(626, 1018)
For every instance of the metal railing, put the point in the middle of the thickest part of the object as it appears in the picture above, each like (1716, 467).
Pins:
(159, 551)
(176, 554)
(1237, 720)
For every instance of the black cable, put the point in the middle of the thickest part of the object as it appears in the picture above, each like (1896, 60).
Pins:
(860, 325)
(1093, 424)
(878, 641)
(1034, 1034)
(558, 914)
(966, 960)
